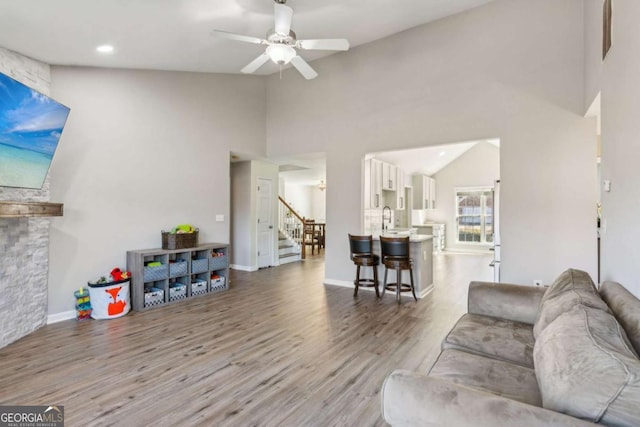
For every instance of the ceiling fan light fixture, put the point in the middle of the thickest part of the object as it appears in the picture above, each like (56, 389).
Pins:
(281, 54)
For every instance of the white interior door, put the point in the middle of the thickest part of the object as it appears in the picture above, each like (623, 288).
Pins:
(265, 223)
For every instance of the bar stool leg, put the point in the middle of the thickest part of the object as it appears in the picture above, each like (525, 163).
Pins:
(384, 282)
(375, 280)
(357, 282)
(398, 283)
(413, 289)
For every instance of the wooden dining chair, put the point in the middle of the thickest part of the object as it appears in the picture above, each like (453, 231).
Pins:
(309, 235)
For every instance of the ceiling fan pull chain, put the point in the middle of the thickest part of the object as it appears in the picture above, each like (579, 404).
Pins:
(280, 71)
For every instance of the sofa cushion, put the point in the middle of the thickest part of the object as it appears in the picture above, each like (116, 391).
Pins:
(625, 307)
(489, 336)
(483, 373)
(571, 288)
(586, 368)
(568, 280)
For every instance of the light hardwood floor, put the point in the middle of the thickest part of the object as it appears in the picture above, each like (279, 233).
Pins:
(278, 349)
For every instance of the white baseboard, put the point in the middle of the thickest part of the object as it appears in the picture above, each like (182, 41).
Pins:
(349, 284)
(59, 317)
(243, 267)
(343, 283)
(425, 291)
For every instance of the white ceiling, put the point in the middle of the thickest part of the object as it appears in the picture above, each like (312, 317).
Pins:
(175, 34)
(313, 168)
(310, 169)
(428, 160)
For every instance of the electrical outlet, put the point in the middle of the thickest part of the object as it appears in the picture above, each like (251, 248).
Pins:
(537, 282)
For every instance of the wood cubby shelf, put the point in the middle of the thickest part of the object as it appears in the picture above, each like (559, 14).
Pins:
(163, 276)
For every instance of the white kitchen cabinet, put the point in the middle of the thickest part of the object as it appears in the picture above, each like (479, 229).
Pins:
(400, 196)
(389, 176)
(424, 192)
(432, 193)
(373, 171)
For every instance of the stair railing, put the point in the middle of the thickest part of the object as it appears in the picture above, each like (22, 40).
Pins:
(291, 225)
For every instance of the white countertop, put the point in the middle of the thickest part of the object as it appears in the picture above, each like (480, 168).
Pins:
(412, 238)
(428, 224)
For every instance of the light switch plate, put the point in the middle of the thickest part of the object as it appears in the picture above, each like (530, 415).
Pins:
(219, 218)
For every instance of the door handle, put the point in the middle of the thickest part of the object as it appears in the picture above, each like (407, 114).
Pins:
(271, 227)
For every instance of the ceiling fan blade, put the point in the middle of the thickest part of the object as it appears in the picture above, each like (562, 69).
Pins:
(324, 44)
(255, 64)
(238, 37)
(304, 68)
(283, 16)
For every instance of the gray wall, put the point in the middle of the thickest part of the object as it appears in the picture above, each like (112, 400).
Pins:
(478, 167)
(621, 148)
(242, 214)
(142, 152)
(24, 242)
(592, 49)
(495, 71)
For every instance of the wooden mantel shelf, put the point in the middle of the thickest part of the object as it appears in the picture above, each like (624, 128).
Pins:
(29, 209)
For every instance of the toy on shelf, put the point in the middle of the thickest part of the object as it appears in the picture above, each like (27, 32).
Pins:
(118, 274)
(83, 304)
(183, 228)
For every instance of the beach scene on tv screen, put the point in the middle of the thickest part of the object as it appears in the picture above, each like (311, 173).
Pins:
(30, 128)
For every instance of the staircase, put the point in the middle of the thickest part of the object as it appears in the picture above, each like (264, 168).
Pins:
(288, 251)
(290, 227)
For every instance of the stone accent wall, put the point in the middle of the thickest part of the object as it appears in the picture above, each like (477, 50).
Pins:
(24, 242)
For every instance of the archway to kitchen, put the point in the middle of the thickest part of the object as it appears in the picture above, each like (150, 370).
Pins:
(450, 191)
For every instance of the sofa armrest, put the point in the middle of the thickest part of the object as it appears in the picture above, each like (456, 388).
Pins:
(412, 399)
(506, 301)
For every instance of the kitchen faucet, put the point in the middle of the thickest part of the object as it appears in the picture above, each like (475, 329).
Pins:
(384, 210)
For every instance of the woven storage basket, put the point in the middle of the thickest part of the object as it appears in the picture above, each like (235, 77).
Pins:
(178, 268)
(151, 274)
(200, 265)
(179, 240)
(218, 262)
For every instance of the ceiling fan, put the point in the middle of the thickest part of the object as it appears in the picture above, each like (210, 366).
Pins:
(281, 44)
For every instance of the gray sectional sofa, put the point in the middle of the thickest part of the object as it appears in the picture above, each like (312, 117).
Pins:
(566, 355)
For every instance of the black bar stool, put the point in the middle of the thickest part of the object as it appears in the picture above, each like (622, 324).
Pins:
(395, 255)
(362, 256)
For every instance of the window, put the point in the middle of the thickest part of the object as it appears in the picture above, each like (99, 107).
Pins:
(474, 215)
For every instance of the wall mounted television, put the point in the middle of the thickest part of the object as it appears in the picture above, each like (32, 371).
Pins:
(30, 127)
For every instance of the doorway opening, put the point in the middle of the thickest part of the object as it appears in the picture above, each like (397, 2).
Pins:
(433, 191)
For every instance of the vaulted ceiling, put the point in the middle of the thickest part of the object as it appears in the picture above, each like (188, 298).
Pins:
(176, 34)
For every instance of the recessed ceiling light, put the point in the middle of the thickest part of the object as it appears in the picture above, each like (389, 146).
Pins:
(442, 153)
(105, 48)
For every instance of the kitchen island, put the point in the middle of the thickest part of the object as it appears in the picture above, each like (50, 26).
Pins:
(437, 230)
(421, 251)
